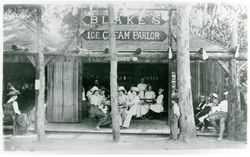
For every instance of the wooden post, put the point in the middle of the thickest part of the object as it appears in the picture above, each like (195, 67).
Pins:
(170, 62)
(187, 125)
(234, 92)
(79, 62)
(1, 97)
(169, 28)
(41, 75)
(78, 40)
(113, 76)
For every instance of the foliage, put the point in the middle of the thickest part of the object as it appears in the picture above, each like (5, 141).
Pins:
(213, 21)
(24, 11)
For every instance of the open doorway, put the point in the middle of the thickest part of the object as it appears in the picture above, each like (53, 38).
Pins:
(22, 77)
(129, 74)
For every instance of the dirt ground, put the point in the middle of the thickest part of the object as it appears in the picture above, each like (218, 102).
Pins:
(102, 143)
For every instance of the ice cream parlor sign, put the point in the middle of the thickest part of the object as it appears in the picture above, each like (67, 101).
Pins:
(125, 35)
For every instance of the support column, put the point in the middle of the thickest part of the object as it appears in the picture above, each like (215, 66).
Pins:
(40, 112)
(113, 76)
(170, 65)
(234, 92)
(187, 125)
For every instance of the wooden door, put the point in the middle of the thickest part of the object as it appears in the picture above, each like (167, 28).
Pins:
(63, 96)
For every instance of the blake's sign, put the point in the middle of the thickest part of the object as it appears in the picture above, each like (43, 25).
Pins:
(125, 20)
(125, 35)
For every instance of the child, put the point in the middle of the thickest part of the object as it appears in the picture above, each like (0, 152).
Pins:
(174, 118)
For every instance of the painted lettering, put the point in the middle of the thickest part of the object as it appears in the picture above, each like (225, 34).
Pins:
(156, 20)
(93, 19)
(129, 20)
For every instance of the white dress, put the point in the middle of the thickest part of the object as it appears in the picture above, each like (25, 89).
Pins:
(143, 108)
(133, 103)
(158, 107)
(142, 88)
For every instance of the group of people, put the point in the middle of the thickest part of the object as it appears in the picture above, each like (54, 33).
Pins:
(211, 111)
(138, 101)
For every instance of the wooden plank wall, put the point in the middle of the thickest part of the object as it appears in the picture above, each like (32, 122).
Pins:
(207, 78)
(63, 91)
(10, 58)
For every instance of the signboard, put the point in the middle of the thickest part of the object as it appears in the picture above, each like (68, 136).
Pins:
(125, 20)
(125, 35)
(37, 84)
(173, 83)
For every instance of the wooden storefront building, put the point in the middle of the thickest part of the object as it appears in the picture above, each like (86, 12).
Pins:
(69, 70)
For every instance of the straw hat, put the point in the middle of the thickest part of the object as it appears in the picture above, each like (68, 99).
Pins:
(93, 89)
(13, 91)
(214, 96)
(121, 88)
(160, 89)
(202, 96)
(135, 89)
(225, 93)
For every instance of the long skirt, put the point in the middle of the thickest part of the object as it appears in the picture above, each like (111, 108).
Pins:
(129, 114)
(20, 124)
(142, 109)
(157, 108)
(94, 111)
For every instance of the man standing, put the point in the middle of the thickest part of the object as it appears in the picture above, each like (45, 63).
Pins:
(220, 115)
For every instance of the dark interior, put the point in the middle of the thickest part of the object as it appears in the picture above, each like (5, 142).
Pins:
(129, 74)
(22, 77)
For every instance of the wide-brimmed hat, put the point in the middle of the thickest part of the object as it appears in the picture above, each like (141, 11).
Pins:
(214, 96)
(202, 96)
(135, 89)
(13, 91)
(225, 93)
(93, 89)
(121, 88)
(161, 89)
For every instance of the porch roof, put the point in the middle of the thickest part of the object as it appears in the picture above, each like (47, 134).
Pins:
(24, 33)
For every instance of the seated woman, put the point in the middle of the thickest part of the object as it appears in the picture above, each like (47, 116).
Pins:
(105, 101)
(96, 107)
(149, 99)
(132, 103)
(122, 104)
(158, 106)
(12, 112)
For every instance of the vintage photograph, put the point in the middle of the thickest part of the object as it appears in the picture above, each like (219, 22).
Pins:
(124, 76)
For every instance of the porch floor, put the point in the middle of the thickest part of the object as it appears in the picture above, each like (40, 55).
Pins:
(87, 126)
(142, 127)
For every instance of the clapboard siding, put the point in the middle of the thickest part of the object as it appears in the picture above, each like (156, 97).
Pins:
(195, 82)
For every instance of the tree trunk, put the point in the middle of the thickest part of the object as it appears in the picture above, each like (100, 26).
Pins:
(41, 72)
(1, 100)
(78, 39)
(113, 76)
(187, 125)
(234, 92)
